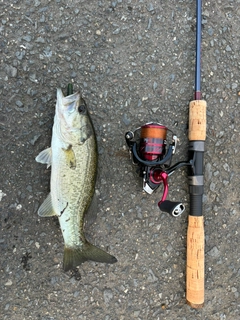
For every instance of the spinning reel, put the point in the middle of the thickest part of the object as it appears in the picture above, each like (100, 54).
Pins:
(150, 151)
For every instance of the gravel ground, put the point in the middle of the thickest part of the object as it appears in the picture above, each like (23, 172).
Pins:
(133, 61)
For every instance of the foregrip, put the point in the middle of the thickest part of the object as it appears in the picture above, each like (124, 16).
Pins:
(195, 232)
(197, 120)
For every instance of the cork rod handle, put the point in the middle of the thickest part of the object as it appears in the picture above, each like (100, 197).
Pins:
(197, 120)
(195, 262)
(195, 232)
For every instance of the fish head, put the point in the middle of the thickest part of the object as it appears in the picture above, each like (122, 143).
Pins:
(74, 124)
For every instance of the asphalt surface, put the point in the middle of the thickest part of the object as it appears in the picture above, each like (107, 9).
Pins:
(133, 62)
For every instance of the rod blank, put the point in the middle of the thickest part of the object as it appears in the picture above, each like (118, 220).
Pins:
(198, 50)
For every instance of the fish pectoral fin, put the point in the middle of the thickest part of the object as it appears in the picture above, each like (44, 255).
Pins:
(87, 132)
(45, 157)
(73, 257)
(70, 157)
(46, 209)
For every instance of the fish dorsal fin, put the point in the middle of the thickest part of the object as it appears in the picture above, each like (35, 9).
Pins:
(46, 209)
(45, 157)
(70, 157)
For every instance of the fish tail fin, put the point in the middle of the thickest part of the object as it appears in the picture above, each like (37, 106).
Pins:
(73, 257)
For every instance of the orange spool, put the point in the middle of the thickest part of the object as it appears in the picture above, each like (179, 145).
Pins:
(154, 131)
(152, 145)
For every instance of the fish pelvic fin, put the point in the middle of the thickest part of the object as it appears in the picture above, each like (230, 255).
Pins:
(73, 257)
(45, 157)
(46, 209)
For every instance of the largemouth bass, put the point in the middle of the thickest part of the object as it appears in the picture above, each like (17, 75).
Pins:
(73, 160)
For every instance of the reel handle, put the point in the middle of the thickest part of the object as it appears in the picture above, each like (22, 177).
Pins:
(175, 209)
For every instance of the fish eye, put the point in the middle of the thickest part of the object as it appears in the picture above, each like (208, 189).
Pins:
(82, 109)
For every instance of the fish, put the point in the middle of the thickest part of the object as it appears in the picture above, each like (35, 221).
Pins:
(73, 160)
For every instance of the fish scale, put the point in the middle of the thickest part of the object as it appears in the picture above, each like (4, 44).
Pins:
(78, 199)
(73, 158)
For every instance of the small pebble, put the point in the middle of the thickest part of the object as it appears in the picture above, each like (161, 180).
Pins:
(226, 167)
(210, 31)
(19, 103)
(214, 252)
(107, 295)
(11, 71)
(40, 40)
(155, 85)
(2, 194)
(151, 276)
(208, 171)
(228, 48)
(37, 245)
(212, 186)
(34, 139)
(126, 120)
(150, 7)
(27, 38)
(8, 283)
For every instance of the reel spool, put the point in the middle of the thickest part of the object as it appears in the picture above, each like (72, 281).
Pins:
(150, 150)
(152, 141)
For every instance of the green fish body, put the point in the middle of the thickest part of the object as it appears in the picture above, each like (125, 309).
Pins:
(73, 161)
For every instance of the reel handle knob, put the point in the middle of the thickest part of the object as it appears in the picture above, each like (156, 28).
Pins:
(173, 208)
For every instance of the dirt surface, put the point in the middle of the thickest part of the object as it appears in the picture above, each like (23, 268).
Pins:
(133, 62)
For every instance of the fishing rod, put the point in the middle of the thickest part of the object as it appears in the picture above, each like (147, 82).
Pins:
(197, 137)
(151, 150)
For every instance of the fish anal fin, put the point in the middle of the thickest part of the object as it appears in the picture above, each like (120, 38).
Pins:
(45, 157)
(46, 209)
(73, 257)
(70, 157)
